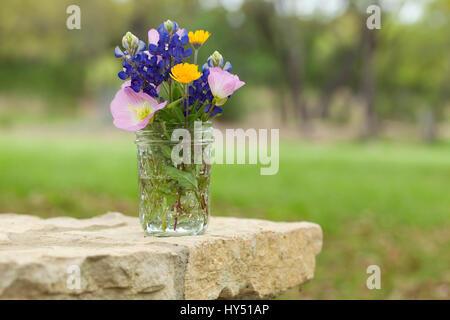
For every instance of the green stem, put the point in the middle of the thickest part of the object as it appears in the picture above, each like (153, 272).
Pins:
(163, 125)
(186, 97)
(195, 56)
(167, 89)
(212, 107)
(170, 82)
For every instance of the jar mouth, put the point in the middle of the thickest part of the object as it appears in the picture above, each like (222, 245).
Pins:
(161, 132)
(173, 125)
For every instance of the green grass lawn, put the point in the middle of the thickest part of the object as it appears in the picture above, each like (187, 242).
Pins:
(379, 203)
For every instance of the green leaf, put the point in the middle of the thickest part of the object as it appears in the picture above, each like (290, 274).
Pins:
(177, 91)
(175, 103)
(186, 179)
(164, 92)
(166, 151)
(179, 114)
(193, 114)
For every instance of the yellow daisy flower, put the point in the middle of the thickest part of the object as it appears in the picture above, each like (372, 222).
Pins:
(198, 38)
(185, 72)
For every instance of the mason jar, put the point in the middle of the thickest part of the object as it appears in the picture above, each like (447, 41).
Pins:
(174, 171)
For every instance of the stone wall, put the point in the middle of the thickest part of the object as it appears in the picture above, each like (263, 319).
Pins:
(108, 257)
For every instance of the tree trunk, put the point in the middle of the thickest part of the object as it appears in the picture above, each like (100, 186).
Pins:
(368, 83)
(340, 78)
(427, 124)
(282, 107)
(292, 70)
(287, 53)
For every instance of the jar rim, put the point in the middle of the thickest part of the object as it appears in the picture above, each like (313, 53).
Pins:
(161, 134)
(173, 125)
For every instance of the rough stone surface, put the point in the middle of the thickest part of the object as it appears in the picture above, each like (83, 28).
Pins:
(236, 258)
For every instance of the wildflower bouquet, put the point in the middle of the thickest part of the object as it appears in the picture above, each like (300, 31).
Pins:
(162, 92)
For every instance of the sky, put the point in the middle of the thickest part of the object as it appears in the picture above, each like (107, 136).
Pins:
(407, 11)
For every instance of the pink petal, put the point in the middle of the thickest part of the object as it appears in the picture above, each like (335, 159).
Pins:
(153, 36)
(122, 103)
(180, 32)
(126, 84)
(238, 83)
(159, 107)
(223, 83)
(215, 80)
(228, 89)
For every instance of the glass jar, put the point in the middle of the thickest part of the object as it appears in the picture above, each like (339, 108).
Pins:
(174, 196)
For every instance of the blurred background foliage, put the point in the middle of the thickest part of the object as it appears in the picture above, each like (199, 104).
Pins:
(316, 60)
(354, 107)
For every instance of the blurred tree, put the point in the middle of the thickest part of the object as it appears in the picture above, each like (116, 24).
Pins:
(368, 79)
(413, 68)
(281, 38)
(304, 58)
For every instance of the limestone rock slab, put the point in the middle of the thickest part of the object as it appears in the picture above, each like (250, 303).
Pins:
(109, 257)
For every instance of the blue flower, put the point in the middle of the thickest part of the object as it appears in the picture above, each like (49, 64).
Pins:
(123, 75)
(118, 53)
(148, 72)
(170, 47)
(136, 83)
(227, 66)
(210, 64)
(151, 91)
(215, 111)
(168, 26)
(200, 93)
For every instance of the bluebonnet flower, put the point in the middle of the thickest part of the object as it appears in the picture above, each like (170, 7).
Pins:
(168, 26)
(145, 73)
(217, 110)
(200, 93)
(147, 67)
(216, 60)
(131, 44)
(148, 70)
(170, 47)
